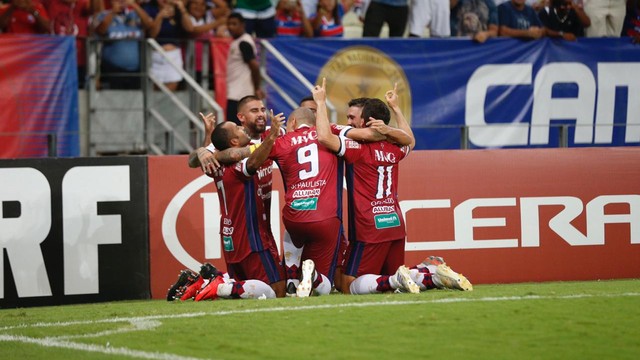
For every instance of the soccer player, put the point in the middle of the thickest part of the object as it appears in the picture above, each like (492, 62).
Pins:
(249, 247)
(378, 232)
(313, 200)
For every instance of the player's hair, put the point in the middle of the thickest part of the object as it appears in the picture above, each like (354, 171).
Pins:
(221, 135)
(306, 98)
(245, 100)
(236, 15)
(359, 102)
(304, 115)
(377, 109)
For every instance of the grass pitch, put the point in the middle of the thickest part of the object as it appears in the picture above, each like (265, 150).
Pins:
(563, 320)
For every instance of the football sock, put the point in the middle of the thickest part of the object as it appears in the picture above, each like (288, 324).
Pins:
(371, 284)
(434, 276)
(247, 289)
(423, 278)
(292, 259)
(321, 284)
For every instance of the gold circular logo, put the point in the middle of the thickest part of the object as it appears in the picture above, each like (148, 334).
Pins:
(363, 71)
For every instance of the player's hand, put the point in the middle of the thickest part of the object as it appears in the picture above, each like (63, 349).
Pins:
(209, 121)
(392, 96)
(276, 124)
(379, 126)
(208, 161)
(320, 92)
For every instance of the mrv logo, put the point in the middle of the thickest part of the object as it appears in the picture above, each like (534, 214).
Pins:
(561, 223)
(592, 108)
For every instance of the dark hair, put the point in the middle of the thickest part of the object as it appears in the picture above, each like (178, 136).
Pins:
(246, 99)
(306, 98)
(359, 102)
(376, 109)
(236, 15)
(221, 135)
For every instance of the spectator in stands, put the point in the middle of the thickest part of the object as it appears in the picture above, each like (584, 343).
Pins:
(259, 17)
(24, 17)
(205, 25)
(243, 69)
(123, 26)
(564, 20)
(327, 21)
(208, 21)
(475, 18)
(171, 24)
(537, 5)
(71, 18)
(431, 14)
(607, 17)
(519, 20)
(394, 12)
(291, 19)
(631, 26)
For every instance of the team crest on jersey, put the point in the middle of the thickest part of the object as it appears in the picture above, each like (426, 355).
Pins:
(387, 221)
(305, 204)
(227, 241)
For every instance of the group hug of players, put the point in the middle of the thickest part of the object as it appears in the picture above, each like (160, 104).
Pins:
(314, 157)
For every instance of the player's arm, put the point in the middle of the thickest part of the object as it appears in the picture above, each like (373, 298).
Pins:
(325, 136)
(261, 154)
(389, 133)
(202, 156)
(364, 135)
(403, 135)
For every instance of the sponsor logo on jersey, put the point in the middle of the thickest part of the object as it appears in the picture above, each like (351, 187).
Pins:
(386, 221)
(306, 193)
(383, 209)
(227, 241)
(227, 230)
(385, 156)
(309, 184)
(305, 204)
(352, 144)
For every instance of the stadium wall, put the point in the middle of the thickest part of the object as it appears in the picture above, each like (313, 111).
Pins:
(498, 216)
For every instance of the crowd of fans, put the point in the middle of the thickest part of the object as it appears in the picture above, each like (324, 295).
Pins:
(172, 21)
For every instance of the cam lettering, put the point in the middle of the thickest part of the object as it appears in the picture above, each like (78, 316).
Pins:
(593, 126)
(529, 236)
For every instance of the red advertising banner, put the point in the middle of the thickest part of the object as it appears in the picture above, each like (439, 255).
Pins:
(498, 216)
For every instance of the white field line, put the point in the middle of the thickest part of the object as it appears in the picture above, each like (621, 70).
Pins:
(150, 322)
(311, 307)
(50, 342)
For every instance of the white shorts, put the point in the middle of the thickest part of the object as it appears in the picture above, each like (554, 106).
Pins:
(162, 70)
(432, 14)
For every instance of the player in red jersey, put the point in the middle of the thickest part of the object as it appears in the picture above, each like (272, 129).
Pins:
(313, 200)
(378, 237)
(249, 247)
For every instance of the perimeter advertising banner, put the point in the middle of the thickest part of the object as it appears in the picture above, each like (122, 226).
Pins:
(73, 231)
(506, 91)
(498, 216)
(39, 87)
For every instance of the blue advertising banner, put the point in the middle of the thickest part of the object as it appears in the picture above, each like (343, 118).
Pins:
(506, 92)
(39, 102)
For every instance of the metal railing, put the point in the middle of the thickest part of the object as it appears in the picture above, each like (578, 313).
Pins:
(156, 133)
